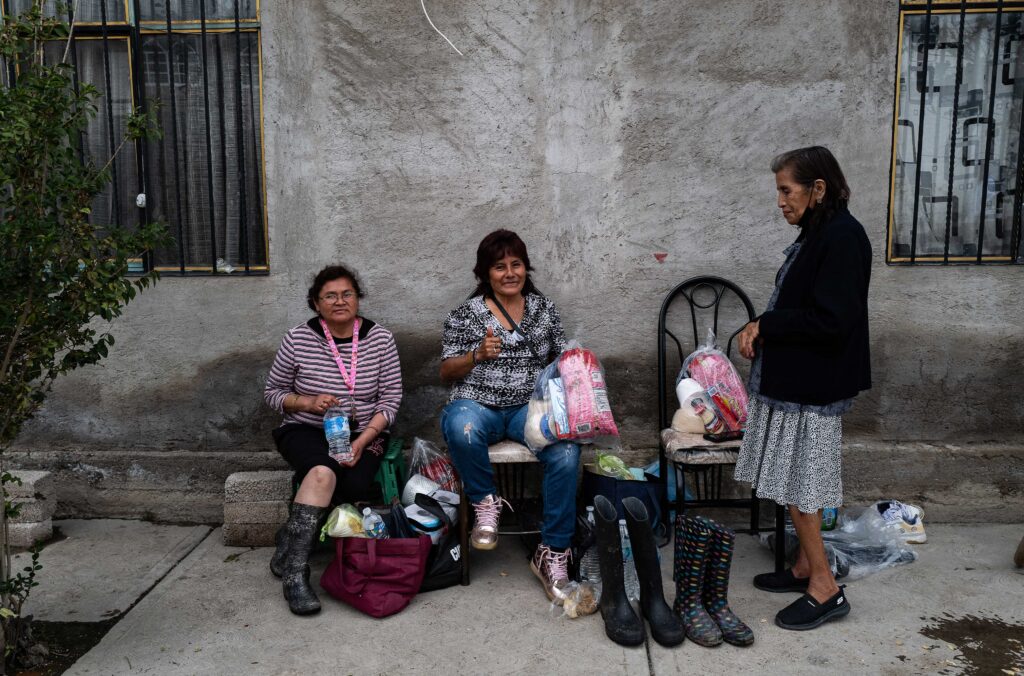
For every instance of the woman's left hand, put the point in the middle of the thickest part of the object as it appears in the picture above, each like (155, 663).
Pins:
(748, 339)
(359, 444)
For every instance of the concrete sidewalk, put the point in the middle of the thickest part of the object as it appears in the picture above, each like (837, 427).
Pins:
(220, 611)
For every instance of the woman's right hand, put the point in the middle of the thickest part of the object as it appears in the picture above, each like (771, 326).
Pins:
(749, 338)
(490, 347)
(319, 404)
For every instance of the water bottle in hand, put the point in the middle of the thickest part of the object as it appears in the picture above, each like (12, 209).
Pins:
(339, 433)
(629, 578)
(373, 525)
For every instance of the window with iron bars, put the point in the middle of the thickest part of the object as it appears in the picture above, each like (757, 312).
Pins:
(957, 145)
(197, 64)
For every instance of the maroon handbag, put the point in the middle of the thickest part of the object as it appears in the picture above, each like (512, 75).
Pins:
(378, 577)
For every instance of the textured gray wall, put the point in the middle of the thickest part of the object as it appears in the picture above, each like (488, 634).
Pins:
(603, 132)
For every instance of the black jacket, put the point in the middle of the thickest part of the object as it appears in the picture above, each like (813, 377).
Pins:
(816, 339)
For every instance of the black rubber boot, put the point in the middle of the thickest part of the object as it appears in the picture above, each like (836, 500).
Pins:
(665, 626)
(620, 622)
(715, 594)
(281, 551)
(301, 533)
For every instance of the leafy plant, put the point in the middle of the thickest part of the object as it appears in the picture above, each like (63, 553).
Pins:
(64, 275)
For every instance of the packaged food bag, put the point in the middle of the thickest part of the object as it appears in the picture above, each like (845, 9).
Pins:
(428, 460)
(711, 368)
(570, 402)
(344, 521)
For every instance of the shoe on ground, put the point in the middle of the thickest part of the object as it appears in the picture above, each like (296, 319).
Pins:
(552, 569)
(485, 527)
(907, 520)
(806, 613)
(779, 583)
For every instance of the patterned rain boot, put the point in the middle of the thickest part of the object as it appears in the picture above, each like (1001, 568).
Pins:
(280, 551)
(301, 529)
(716, 585)
(691, 548)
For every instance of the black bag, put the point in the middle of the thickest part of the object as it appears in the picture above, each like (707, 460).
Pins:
(444, 567)
(616, 490)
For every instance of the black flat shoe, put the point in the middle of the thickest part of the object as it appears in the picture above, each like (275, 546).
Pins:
(806, 613)
(781, 582)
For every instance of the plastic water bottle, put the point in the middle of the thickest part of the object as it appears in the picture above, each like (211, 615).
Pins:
(373, 525)
(629, 577)
(339, 433)
(590, 564)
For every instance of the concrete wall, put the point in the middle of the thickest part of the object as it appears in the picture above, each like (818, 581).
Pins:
(603, 132)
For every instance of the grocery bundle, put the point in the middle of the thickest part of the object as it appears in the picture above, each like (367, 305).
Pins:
(570, 402)
(712, 397)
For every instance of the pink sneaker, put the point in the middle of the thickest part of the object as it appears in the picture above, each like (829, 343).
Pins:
(485, 528)
(552, 569)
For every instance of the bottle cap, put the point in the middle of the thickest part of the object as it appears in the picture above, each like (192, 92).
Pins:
(366, 511)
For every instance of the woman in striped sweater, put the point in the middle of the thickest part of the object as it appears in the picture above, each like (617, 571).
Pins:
(337, 358)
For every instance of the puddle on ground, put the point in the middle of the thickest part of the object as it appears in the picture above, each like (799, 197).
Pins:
(989, 645)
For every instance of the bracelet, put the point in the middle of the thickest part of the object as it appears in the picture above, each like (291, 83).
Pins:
(473, 354)
(371, 427)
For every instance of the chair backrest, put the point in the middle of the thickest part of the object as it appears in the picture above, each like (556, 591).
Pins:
(713, 303)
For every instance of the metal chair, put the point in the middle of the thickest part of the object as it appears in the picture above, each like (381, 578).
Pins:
(720, 304)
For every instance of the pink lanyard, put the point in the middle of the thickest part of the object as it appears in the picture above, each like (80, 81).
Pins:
(351, 383)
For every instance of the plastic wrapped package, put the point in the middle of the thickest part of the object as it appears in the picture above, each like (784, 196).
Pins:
(570, 402)
(344, 521)
(581, 599)
(429, 461)
(859, 546)
(724, 388)
(686, 418)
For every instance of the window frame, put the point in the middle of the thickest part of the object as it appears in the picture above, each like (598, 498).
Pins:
(132, 30)
(960, 8)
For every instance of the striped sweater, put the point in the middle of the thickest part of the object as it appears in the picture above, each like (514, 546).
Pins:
(304, 366)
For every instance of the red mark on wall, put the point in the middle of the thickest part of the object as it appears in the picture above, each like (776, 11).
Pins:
(660, 257)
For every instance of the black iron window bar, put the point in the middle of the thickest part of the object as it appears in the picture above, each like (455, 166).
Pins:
(972, 128)
(248, 167)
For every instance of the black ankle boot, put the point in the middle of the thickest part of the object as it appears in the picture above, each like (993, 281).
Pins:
(620, 622)
(665, 626)
(281, 551)
(301, 532)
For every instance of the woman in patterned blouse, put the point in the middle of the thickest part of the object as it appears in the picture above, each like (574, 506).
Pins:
(337, 358)
(494, 346)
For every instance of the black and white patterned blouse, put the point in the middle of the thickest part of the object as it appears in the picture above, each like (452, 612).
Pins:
(507, 380)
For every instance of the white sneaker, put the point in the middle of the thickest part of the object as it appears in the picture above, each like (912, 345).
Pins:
(907, 520)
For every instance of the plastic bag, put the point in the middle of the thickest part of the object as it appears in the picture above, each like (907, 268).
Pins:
(722, 384)
(858, 547)
(580, 600)
(612, 465)
(345, 521)
(570, 402)
(428, 460)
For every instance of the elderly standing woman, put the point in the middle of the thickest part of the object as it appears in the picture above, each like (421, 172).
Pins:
(810, 359)
(494, 346)
(336, 358)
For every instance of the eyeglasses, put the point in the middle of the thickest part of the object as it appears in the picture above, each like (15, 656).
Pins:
(334, 297)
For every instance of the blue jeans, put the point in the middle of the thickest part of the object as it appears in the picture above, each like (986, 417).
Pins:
(470, 427)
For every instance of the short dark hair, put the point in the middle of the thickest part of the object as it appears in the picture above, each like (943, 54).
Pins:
(810, 164)
(329, 274)
(492, 249)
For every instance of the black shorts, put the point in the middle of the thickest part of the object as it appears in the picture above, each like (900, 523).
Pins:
(304, 447)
